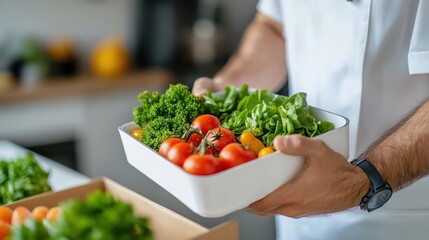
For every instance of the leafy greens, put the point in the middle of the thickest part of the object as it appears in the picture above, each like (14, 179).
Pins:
(99, 217)
(223, 107)
(20, 178)
(166, 115)
(265, 114)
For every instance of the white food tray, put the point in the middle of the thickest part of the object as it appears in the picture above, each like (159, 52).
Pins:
(233, 189)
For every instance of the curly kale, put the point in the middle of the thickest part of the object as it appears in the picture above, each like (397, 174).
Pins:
(148, 109)
(156, 131)
(166, 115)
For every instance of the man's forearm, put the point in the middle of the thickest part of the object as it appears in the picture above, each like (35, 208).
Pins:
(260, 58)
(402, 156)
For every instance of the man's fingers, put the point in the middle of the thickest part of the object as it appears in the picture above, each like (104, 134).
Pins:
(266, 205)
(204, 84)
(262, 207)
(201, 86)
(289, 211)
(298, 145)
(292, 145)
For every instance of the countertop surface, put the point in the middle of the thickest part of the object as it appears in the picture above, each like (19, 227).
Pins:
(86, 85)
(60, 177)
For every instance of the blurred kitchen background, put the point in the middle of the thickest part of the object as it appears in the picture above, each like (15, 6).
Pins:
(70, 72)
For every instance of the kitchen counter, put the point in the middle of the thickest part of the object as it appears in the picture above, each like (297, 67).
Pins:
(84, 110)
(60, 176)
(82, 86)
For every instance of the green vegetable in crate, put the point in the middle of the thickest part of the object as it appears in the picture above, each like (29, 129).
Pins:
(21, 178)
(166, 115)
(99, 217)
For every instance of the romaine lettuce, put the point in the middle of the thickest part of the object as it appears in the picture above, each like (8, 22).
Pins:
(266, 114)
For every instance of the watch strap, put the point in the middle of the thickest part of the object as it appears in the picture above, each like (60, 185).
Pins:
(373, 175)
(377, 183)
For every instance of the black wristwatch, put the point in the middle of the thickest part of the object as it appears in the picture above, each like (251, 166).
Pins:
(379, 192)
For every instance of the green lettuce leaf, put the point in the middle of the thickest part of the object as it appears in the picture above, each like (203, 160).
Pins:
(268, 115)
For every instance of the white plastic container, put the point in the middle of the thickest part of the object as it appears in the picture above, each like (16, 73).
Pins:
(225, 192)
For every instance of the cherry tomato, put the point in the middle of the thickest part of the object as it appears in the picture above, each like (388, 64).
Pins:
(137, 133)
(179, 152)
(206, 122)
(235, 154)
(40, 212)
(165, 146)
(266, 151)
(195, 139)
(4, 230)
(20, 214)
(201, 164)
(6, 214)
(53, 214)
(226, 137)
(248, 139)
(210, 151)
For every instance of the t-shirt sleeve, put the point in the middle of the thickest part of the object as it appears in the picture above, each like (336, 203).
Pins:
(271, 8)
(418, 56)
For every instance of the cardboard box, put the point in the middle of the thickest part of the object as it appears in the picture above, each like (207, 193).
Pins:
(164, 223)
(222, 193)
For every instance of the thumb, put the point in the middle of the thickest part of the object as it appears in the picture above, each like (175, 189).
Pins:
(298, 145)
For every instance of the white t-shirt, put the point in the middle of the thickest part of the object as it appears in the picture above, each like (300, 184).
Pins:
(369, 61)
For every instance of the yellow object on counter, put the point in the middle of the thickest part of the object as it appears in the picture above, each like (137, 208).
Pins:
(110, 59)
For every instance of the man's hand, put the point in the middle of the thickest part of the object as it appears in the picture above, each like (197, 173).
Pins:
(327, 183)
(204, 84)
(260, 58)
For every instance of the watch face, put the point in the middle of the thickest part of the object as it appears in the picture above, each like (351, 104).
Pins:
(379, 199)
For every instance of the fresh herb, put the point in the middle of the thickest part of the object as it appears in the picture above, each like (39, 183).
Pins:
(21, 178)
(99, 217)
(266, 114)
(166, 115)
